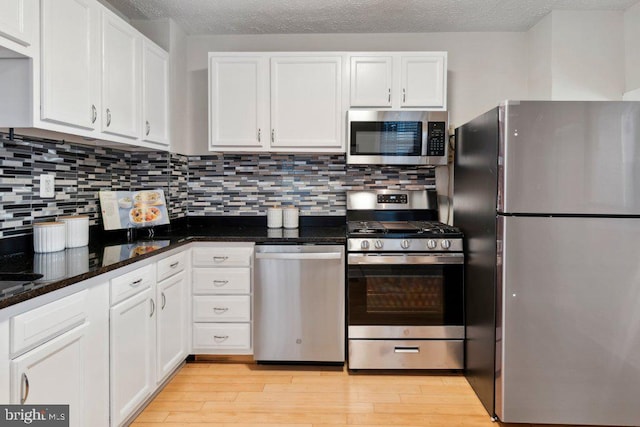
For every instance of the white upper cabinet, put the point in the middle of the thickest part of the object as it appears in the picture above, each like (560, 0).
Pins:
(399, 80)
(155, 94)
(18, 24)
(423, 81)
(70, 73)
(291, 102)
(371, 81)
(120, 77)
(238, 102)
(306, 103)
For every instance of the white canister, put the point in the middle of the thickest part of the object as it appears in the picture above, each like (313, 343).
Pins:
(77, 230)
(290, 217)
(274, 217)
(48, 237)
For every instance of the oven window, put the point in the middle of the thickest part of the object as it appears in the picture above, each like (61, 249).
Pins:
(386, 138)
(428, 295)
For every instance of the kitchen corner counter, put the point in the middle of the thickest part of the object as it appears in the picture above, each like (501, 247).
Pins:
(109, 251)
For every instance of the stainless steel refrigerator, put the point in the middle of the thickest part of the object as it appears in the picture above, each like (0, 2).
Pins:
(547, 194)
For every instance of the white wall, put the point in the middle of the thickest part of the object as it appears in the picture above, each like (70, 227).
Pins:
(539, 44)
(632, 52)
(484, 68)
(587, 55)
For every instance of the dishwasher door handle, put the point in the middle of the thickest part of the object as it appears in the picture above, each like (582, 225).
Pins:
(298, 255)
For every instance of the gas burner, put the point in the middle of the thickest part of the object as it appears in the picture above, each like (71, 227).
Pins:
(365, 227)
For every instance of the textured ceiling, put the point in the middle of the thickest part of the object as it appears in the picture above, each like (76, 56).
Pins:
(354, 16)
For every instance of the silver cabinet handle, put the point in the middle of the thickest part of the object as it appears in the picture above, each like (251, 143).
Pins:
(389, 100)
(259, 136)
(25, 388)
(273, 135)
(94, 113)
(220, 310)
(219, 283)
(148, 126)
(406, 350)
(220, 258)
(108, 117)
(135, 283)
(174, 265)
(220, 338)
(164, 300)
(404, 95)
(153, 307)
(296, 255)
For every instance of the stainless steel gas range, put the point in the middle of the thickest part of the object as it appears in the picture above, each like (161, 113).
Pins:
(405, 291)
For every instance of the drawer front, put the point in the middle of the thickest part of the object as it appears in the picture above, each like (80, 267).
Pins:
(222, 257)
(171, 265)
(223, 308)
(229, 336)
(406, 354)
(221, 280)
(49, 321)
(131, 283)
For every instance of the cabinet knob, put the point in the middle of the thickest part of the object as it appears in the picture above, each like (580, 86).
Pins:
(273, 135)
(404, 95)
(148, 127)
(153, 307)
(259, 134)
(164, 300)
(389, 100)
(108, 117)
(94, 113)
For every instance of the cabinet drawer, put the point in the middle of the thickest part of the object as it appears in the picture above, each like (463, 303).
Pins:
(221, 280)
(236, 336)
(223, 308)
(171, 265)
(222, 257)
(131, 283)
(49, 321)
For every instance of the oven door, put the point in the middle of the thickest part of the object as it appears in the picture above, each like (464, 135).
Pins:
(388, 292)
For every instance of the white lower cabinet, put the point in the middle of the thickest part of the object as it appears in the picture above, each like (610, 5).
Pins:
(148, 336)
(171, 324)
(222, 299)
(59, 355)
(54, 373)
(132, 354)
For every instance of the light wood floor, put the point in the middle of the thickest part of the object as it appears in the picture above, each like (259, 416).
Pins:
(239, 394)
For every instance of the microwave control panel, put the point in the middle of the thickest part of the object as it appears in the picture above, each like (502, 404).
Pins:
(436, 138)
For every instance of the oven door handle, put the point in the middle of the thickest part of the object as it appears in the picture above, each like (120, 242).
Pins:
(431, 259)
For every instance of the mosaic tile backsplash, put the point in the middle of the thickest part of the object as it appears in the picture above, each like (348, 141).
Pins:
(230, 184)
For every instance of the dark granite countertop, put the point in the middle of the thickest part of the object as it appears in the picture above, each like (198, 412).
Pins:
(108, 251)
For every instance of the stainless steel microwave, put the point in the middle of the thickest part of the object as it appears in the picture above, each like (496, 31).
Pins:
(397, 137)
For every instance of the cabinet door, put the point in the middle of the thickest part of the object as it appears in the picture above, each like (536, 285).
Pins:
(423, 81)
(16, 20)
(54, 373)
(371, 78)
(306, 103)
(155, 94)
(120, 77)
(172, 324)
(69, 64)
(132, 338)
(238, 103)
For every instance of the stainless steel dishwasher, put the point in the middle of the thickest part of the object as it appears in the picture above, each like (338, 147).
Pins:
(299, 304)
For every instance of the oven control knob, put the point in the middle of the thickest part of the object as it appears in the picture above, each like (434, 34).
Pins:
(379, 244)
(446, 244)
(405, 244)
(432, 244)
(364, 244)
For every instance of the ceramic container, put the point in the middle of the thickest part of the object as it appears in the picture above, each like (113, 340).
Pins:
(274, 217)
(48, 237)
(290, 217)
(77, 230)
